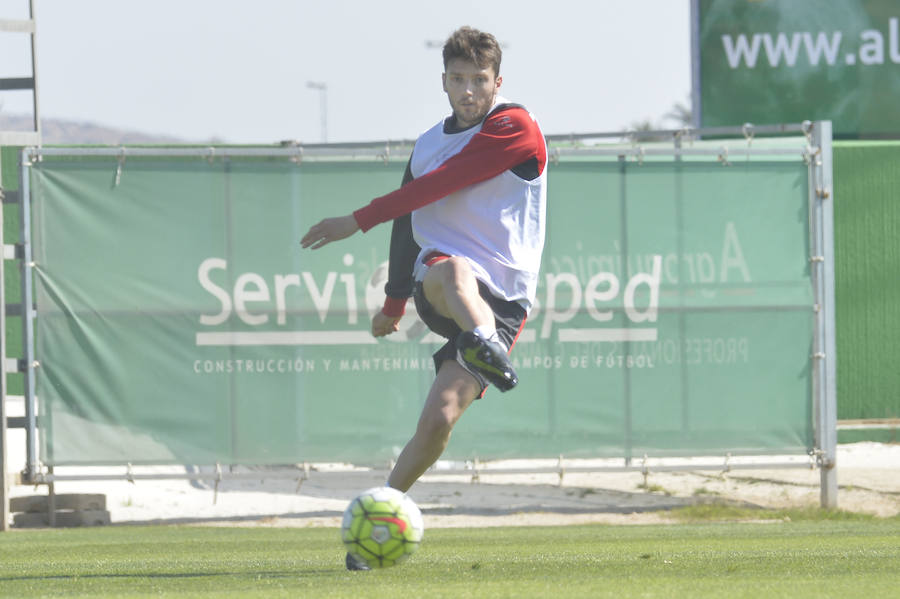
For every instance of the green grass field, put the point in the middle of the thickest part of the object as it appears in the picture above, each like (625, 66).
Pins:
(819, 557)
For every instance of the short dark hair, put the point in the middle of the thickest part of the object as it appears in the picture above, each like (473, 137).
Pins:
(475, 46)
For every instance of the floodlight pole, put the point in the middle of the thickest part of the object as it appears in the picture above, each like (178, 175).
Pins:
(323, 105)
(696, 101)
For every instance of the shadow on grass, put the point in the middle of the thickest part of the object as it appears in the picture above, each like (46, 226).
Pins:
(157, 575)
(569, 501)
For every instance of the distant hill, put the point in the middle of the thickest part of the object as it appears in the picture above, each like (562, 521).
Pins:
(65, 132)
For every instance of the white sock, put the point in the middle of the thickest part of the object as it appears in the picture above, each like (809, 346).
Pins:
(487, 332)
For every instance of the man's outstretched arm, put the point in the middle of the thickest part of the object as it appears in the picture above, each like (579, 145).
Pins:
(328, 230)
(508, 138)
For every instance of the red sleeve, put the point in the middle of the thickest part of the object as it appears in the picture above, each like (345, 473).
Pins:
(394, 306)
(507, 138)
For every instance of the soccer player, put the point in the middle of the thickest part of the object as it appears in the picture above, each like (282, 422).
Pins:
(466, 243)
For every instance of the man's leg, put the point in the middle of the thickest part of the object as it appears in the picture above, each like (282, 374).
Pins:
(453, 390)
(451, 288)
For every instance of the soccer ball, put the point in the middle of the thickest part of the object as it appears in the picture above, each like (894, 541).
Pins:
(382, 527)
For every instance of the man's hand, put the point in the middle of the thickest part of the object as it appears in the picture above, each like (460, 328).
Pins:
(330, 229)
(382, 324)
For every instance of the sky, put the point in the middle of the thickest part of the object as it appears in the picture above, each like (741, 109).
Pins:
(237, 71)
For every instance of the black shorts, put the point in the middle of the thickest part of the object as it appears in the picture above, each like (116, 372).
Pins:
(509, 318)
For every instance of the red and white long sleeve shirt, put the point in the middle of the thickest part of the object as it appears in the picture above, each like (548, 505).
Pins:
(479, 193)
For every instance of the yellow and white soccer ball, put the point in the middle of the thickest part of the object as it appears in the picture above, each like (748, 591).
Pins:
(382, 527)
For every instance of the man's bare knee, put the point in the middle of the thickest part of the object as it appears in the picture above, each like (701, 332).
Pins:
(451, 288)
(451, 276)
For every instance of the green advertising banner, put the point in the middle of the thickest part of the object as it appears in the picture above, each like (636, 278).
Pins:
(179, 321)
(782, 61)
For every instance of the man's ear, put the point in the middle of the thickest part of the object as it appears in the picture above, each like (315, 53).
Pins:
(444, 81)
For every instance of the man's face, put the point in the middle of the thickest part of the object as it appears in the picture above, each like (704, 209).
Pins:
(471, 90)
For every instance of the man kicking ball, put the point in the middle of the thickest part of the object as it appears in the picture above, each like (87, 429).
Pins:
(466, 244)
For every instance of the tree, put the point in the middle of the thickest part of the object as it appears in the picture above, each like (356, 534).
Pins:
(681, 114)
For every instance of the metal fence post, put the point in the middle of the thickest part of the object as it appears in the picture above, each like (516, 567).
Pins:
(26, 268)
(823, 197)
(4, 482)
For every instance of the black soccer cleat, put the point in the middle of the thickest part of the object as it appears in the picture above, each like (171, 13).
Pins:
(355, 564)
(487, 358)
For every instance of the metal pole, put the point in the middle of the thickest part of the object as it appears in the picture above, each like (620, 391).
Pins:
(27, 318)
(627, 424)
(696, 104)
(323, 105)
(323, 101)
(34, 91)
(219, 475)
(823, 196)
(4, 481)
(682, 315)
